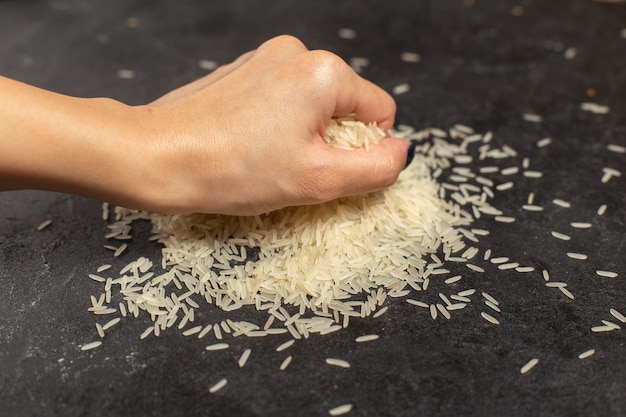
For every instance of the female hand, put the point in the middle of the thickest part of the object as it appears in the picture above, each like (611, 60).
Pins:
(245, 139)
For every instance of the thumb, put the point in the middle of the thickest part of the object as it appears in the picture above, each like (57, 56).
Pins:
(360, 171)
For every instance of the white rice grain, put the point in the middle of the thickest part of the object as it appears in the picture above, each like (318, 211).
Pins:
(366, 338)
(586, 354)
(285, 345)
(285, 363)
(347, 33)
(218, 385)
(616, 148)
(417, 303)
(490, 298)
(606, 274)
(111, 323)
(126, 74)
(401, 89)
(43, 225)
(544, 142)
(244, 358)
(566, 293)
(618, 315)
(100, 330)
(504, 219)
(410, 57)
(192, 331)
(594, 108)
(491, 319)
(533, 174)
(529, 365)
(340, 410)
(91, 345)
(560, 235)
(533, 118)
(337, 362)
(217, 346)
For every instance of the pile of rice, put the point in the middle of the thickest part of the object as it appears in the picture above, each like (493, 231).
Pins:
(310, 268)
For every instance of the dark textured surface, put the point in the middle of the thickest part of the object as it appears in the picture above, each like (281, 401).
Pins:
(480, 66)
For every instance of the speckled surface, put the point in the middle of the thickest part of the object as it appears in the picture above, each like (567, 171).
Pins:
(481, 66)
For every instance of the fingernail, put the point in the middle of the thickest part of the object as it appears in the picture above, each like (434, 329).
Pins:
(410, 154)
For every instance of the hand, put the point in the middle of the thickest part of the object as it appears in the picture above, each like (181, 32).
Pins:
(246, 139)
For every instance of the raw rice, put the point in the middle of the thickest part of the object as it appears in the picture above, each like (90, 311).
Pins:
(529, 365)
(378, 313)
(559, 235)
(567, 293)
(491, 319)
(616, 148)
(111, 323)
(120, 250)
(561, 203)
(601, 329)
(147, 332)
(285, 345)
(544, 142)
(337, 362)
(244, 358)
(285, 363)
(586, 354)
(340, 410)
(534, 118)
(43, 225)
(91, 345)
(366, 338)
(488, 297)
(218, 386)
(100, 330)
(347, 33)
(533, 174)
(594, 108)
(504, 219)
(192, 331)
(417, 303)
(433, 312)
(217, 346)
(410, 57)
(607, 274)
(618, 315)
(401, 89)
(207, 64)
(126, 74)
(575, 255)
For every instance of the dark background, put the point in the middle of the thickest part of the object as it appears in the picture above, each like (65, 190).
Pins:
(482, 66)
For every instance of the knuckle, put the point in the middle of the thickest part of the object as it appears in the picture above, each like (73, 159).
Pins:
(284, 42)
(325, 63)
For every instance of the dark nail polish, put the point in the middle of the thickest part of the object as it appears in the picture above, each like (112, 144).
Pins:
(410, 154)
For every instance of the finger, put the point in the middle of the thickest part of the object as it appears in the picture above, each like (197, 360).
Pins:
(359, 171)
(367, 101)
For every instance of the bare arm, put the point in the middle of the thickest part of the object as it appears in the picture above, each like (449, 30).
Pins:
(245, 139)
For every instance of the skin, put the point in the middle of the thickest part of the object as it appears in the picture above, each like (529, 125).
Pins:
(245, 139)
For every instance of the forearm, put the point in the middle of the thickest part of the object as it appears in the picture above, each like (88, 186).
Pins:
(55, 142)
